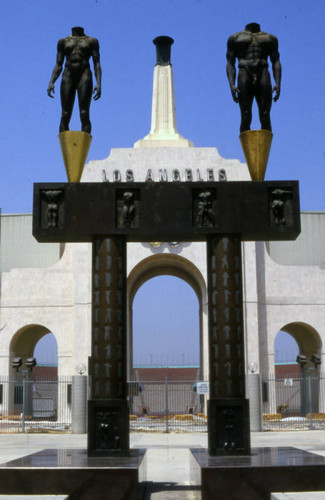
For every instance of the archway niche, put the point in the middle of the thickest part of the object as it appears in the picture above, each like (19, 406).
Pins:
(24, 341)
(23, 345)
(179, 267)
(307, 338)
(297, 387)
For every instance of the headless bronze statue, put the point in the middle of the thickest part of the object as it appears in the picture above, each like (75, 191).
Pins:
(76, 49)
(252, 48)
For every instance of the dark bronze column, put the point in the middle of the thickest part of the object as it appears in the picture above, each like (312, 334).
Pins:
(228, 413)
(108, 429)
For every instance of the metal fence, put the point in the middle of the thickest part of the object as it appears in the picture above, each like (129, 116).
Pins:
(166, 406)
(39, 404)
(293, 402)
(290, 402)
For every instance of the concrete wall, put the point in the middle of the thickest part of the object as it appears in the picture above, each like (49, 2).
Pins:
(19, 249)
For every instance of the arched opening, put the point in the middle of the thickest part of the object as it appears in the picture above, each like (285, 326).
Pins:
(161, 290)
(297, 380)
(24, 342)
(166, 324)
(33, 392)
(172, 266)
(307, 339)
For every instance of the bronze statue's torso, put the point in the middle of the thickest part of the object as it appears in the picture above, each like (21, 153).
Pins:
(253, 49)
(77, 50)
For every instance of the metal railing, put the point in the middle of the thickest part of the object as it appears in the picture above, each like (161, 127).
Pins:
(293, 402)
(290, 402)
(166, 406)
(39, 404)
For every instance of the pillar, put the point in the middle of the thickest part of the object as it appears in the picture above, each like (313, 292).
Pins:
(79, 404)
(228, 412)
(254, 395)
(108, 413)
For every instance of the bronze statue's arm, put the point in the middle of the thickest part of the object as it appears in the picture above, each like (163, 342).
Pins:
(276, 68)
(57, 68)
(231, 68)
(97, 70)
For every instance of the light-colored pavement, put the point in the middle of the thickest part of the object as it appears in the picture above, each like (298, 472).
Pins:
(167, 456)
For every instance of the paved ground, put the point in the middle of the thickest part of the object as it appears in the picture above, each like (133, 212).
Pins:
(167, 455)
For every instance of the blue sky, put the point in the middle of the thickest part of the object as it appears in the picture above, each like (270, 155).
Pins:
(169, 335)
(206, 114)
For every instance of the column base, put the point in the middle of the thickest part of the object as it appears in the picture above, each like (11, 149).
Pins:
(256, 476)
(228, 426)
(71, 473)
(108, 427)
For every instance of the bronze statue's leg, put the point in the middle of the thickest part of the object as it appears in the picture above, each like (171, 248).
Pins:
(246, 97)
(68, 93)
(264, 99)
(85, 89)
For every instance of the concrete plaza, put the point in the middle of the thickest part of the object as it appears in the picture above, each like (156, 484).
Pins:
(168, 473)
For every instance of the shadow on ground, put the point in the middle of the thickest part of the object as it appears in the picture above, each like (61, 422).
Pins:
(150, 488)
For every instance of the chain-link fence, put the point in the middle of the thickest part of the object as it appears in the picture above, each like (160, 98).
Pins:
(39, 404)
(167, 406)
(292, 402)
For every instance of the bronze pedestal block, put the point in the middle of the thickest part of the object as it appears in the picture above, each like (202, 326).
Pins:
(72, 472)
(257, 475)
(108, 427)
(228, 426)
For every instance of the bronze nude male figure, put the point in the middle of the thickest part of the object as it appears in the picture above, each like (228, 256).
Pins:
(252, 48)
(76, 49)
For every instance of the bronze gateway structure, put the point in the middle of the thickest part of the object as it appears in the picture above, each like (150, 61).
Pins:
(221, 213)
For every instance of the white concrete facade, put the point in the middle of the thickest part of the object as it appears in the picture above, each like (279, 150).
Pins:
(57, 298)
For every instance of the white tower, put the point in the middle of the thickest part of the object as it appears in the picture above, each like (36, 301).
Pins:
(163, 131)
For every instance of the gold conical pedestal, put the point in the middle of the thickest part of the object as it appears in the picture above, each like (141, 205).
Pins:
(256, 145)
(75, 147)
